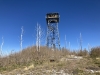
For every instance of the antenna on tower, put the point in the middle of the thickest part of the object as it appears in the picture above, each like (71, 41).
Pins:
(53, 40)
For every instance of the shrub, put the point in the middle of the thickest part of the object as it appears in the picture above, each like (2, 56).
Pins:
(95, 52)
(82, 53)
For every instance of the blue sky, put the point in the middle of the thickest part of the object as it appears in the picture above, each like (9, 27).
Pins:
(75, 16)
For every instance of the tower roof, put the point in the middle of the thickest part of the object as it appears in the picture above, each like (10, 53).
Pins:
(52, 17)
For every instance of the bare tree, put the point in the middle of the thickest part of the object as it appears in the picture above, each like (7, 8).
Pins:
(89, 47)
(1, 46)
(38, 36)
(69, 45)
(65, 42)
(80, 41)
(21, 38)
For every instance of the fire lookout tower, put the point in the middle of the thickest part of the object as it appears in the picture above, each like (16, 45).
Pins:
(53, 40)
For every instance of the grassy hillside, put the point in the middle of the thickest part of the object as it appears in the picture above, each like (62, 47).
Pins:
(46, 61)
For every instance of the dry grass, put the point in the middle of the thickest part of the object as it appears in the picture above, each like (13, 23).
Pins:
(28, 56)
(29, 60)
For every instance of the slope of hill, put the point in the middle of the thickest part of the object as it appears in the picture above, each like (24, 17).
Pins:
(48, 62)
